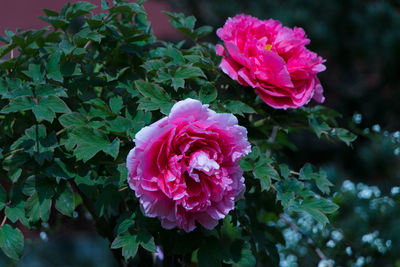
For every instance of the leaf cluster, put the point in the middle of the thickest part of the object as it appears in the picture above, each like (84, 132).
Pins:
(73, 100)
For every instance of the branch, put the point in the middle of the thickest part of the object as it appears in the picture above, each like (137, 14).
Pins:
(271, 139)
(122, 188)
(5, 216)
(4, 221)
(310, 242)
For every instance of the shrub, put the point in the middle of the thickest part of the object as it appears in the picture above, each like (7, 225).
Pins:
(72, 103)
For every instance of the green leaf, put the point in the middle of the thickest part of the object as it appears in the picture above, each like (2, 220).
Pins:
(125, 221)
(208, 93)
(104, 5)
(147, 104)
(187, 72)
(323, 183)
(22, 89)
(132, 8)
(11, 241)
(87, 142)
(65, 202)
(261, 173)
(307, 173)
(155, 97)
(59, 170)
(109, 198)
(72, 119)
(79, 9)
(163, 76)
(128, 243)
(37, 208)
(5, 49)
(34, 73)
(38, 185)
(70, 69)
(14, 174)
(245, 254)
(50, 13)
(113, 75)
(316, 207)
(287, 189)
(66, 47)
(53, 67)
(265, 172)
(322, 204)
(116, 104)
(175, 54)
(238, 107)
(284, 170)
(43, 112)
(15, 211)
(178, 83)
(182, 23)
(120, 124)
(344, 135)
(185, 22)
(47, 106)
(47, 89)
(19, 104)
(146, 240)
(319, 128)
(246, 165)
(154, 64)
(325, 114)
(203, 31)
(113, 148)
(56, 22)
(152, 91)
(54, 103)
(320, 178)
(317, 215)
(3, 197)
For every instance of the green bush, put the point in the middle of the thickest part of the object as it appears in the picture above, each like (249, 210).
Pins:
(73, 99)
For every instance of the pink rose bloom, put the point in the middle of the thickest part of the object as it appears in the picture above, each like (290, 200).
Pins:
(184, 167)
(272, 59)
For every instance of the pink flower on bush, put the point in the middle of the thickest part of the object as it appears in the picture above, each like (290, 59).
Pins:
(272, 59)
(184, 167)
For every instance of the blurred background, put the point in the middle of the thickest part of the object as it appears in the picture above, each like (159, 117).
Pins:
(360, 40)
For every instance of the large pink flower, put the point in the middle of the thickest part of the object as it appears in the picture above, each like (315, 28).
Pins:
(272, 59)
(184, 167)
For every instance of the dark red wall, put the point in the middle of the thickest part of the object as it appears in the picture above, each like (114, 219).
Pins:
(23, 14)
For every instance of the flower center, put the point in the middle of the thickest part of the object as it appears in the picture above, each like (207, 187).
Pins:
(268, 47)
(201, 161)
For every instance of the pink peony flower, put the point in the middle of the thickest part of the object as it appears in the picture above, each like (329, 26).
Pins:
(184, 167)
(272, 59)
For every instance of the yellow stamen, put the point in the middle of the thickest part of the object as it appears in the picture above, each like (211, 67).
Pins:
(268, 47)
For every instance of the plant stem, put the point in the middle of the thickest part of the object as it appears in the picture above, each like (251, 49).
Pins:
(310, 242)
(271, 139)
(13, 152)
(4, 221)
(122, 188)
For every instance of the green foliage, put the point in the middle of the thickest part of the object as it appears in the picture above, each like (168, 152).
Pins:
(71, 103)
(11, 241)
(186, 25)
(364, 238)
